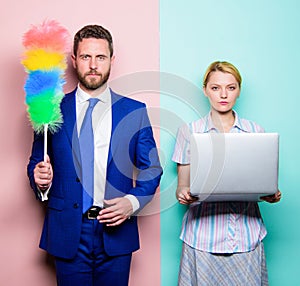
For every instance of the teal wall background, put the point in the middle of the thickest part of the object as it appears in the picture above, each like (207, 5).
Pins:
(262, 38)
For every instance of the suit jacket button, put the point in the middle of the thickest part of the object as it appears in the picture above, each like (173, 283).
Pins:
(76, 205)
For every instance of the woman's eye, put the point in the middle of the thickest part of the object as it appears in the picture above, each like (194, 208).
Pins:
(214, 88)
(232, 87)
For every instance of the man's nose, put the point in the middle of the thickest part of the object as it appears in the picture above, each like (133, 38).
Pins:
(93, 63)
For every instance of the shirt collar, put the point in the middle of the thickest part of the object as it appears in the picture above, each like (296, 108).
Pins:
(238, 123)
(83, 96)
(209, 124)
(211, 127)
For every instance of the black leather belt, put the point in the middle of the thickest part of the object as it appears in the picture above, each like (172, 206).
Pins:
(92, 212)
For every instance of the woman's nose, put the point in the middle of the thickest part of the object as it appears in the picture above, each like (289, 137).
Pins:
(223, 93)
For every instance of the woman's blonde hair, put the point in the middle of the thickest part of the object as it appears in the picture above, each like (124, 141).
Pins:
(222, 67)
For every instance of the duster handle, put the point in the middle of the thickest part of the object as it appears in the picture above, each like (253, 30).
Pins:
(45, 141)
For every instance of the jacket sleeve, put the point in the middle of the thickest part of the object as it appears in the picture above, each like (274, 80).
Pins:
(148, 169)
(37, 154)
(135, 158)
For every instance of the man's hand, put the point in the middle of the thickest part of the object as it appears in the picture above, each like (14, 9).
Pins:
(116, 211)
(43, 174)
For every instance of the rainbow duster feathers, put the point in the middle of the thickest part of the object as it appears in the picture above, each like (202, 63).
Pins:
(44, 60)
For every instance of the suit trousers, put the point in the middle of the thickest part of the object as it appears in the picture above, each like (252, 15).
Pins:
(91, 265)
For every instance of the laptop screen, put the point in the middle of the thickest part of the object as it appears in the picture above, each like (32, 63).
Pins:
(234, 166)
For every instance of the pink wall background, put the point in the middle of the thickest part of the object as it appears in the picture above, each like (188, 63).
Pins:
(135, 28)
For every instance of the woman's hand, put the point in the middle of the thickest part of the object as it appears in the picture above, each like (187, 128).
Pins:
(184, 196)
(272, 198)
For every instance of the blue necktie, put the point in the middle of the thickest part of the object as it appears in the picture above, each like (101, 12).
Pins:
(86, 144)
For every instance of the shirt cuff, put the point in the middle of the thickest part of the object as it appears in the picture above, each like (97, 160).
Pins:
(134, 202)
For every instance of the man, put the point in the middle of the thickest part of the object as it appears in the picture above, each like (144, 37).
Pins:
(90, 227)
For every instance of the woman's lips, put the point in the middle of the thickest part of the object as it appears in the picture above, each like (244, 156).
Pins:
(223, 102)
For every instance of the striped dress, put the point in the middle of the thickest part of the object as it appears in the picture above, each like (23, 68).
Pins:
(220, 229)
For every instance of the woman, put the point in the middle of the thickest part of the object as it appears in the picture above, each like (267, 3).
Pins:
(222, 242)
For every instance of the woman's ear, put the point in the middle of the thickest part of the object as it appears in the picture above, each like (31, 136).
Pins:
(204, 90)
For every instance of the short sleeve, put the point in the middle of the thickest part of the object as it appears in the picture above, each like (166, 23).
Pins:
(181, 154)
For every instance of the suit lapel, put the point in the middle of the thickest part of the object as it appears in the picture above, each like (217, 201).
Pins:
(117, 115)
(68, 109)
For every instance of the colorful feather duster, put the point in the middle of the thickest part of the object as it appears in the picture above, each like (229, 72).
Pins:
(44, 60)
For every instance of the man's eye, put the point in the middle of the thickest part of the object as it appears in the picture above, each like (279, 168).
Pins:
(84, 57)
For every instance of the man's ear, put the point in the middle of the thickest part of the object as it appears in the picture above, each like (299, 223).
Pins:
(73, 58)
(112, 59)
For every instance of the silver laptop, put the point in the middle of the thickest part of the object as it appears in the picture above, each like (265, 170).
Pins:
(233, 166)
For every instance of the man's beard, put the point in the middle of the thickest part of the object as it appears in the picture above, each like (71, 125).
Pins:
(93, 84)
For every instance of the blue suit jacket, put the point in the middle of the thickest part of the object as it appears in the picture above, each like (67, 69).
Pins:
(132, 149)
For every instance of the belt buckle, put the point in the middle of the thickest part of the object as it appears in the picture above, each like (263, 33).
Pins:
(93, 212)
